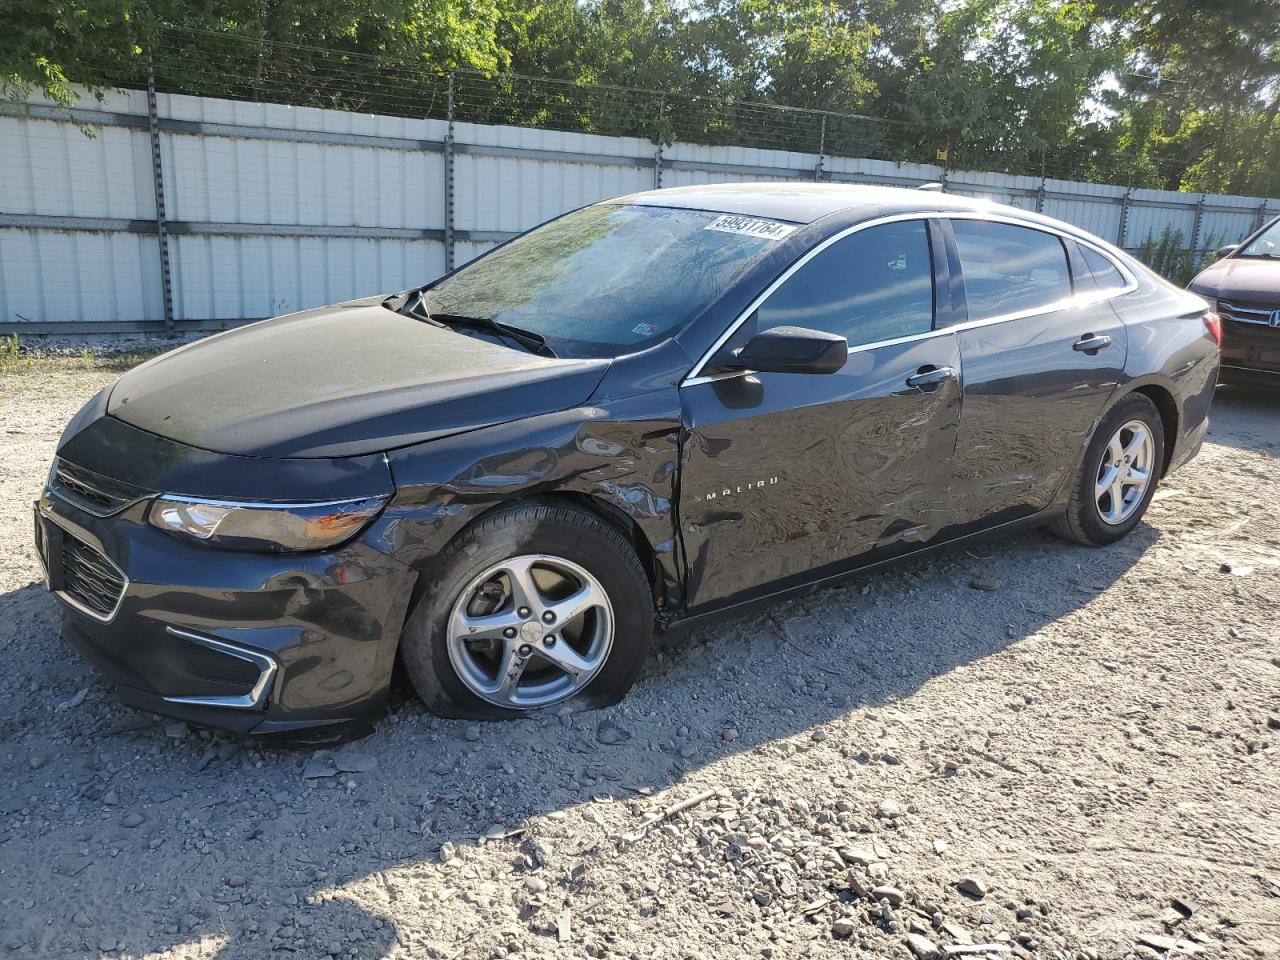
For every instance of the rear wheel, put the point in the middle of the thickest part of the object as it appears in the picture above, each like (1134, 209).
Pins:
(534, 605)
(1119, 475)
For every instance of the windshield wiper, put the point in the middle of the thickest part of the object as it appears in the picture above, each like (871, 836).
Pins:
(533, 342)
(414, 303)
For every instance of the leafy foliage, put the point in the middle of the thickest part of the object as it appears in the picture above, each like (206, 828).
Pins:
(1180, 94)
(1168, 256)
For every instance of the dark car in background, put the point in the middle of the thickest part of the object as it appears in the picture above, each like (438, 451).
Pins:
(1243, 286)
(648, 411)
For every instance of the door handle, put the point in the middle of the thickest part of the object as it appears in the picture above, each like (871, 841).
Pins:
(929, 377)
(1090, 343)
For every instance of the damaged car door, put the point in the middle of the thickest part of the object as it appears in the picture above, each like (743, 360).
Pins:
(784, 474)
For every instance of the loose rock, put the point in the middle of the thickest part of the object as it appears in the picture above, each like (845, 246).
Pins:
(886, 892)
(922, 947)
(354, 761)
(611, 734)
(320, 765)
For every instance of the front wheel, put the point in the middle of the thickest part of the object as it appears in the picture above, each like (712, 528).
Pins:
(534, 605)
(1119, 475)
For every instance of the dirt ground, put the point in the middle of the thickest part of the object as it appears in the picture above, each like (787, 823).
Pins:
(1082, 762)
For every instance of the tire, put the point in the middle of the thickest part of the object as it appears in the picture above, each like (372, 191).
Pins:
(1086, 520)
(533, 545)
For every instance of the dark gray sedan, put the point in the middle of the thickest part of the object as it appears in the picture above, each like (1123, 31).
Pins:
(646, 412)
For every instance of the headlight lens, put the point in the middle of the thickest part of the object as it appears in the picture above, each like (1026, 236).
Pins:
(272, 527)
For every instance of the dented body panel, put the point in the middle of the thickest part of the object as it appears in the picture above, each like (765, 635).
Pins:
(784, 475)
(623, 456)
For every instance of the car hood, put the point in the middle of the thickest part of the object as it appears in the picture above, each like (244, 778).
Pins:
(1254, 280)
(340, 381)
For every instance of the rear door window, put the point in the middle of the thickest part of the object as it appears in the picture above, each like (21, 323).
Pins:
(1010, 269)
(1105, 274)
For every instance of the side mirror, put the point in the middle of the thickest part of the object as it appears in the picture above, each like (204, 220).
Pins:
(1228, 250)
(789, 350)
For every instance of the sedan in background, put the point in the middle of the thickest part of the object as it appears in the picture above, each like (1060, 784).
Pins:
(1243, 286)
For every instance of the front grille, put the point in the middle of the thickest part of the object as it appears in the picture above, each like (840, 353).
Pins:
(1256, 314)
(92, 491)
(89, 578)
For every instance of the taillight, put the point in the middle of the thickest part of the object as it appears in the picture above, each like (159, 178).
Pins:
(1213, 323)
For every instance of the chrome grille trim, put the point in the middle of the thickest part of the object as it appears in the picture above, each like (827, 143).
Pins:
(1246, 313)
(92, 584)
(91, 491)
(256, 697)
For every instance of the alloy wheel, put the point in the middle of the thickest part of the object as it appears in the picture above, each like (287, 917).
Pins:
(530, 631)
(1126, 471)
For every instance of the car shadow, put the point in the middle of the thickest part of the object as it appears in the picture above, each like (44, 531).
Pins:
(122, 833)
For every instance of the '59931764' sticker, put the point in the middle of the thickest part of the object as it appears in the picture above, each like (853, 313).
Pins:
(750, 227)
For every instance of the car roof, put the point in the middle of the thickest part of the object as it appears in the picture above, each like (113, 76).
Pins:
(806, 202)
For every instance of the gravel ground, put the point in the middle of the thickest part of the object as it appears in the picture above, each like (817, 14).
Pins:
(1081, 761)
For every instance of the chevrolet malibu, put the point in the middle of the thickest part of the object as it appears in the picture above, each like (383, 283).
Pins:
(648, 411)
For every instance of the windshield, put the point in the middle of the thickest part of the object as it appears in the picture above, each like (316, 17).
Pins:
(1267, 243)
(608, 279)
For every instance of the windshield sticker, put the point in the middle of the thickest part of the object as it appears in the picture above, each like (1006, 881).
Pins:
(644, 329)
(750, 227)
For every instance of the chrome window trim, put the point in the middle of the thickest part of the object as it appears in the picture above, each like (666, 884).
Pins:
(267, 669)
(72, 601)
(695, 376)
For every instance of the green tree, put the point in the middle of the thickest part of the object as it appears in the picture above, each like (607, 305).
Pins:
(1003, 83)
(805, 53)
(102, 41)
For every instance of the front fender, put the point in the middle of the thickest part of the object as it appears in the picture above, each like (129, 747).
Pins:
(624, 453)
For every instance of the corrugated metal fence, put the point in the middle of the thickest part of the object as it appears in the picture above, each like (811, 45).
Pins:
(187, 213)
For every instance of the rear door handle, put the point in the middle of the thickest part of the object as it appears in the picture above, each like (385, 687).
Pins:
(1090, 343)
(929, 377)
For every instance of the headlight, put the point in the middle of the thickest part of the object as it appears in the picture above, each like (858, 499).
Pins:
(272, 527)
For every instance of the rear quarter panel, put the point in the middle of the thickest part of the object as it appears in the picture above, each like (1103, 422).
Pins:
(1170, 347)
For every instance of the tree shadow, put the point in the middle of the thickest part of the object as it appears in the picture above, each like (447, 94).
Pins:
(237, 856)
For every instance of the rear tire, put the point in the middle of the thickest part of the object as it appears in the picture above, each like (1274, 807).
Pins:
(485, 641)
(1111, 495)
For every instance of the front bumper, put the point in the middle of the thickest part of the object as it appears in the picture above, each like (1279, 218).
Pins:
(1240, 373)
(254, 643)
(1250, 347)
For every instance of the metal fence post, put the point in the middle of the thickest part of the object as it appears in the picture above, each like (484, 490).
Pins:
(448, 184)
(659, 138)
(1040, 193)
(157, 179)
(1123, 231)
(1261, 216)
(822, 149)
(1195, 225)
